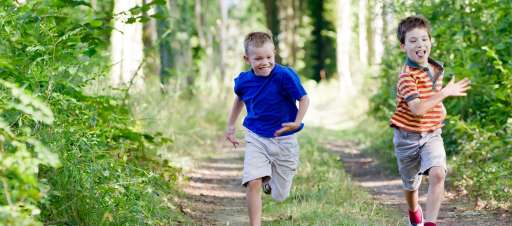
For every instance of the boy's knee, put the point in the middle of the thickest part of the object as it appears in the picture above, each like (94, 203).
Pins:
(279, 197)
(254, 184)
(280, 194)
(437, 174)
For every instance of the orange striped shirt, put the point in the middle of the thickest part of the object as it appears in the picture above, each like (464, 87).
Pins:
(418, 82)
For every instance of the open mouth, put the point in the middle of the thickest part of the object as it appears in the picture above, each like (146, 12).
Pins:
(421, 53)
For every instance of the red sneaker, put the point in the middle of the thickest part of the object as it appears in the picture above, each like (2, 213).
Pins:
(416, 217)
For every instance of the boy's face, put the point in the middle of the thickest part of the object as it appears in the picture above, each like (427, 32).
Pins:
(261, 59)
(417, 45)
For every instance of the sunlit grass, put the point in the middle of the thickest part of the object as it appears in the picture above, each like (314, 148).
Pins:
(194, 123)
(323, 193)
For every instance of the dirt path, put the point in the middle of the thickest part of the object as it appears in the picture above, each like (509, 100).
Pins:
(387, 189)
(214, 191)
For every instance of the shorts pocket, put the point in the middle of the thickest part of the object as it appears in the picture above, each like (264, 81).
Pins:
(404, 145)
(289, 150)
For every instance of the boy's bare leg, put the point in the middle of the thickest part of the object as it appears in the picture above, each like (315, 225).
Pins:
(412, 199)
(435, 194)
(254, 202)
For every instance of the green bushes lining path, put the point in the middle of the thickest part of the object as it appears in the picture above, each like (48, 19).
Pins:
(68, 157)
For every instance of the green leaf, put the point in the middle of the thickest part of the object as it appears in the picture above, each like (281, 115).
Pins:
(96, 23)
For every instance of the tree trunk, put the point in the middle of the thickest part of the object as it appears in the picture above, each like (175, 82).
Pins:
(127, 48)
(363, 41)
(319, 54)
(378, 29)
(343, 39)
(150, 39)
(222, 42)
(200, 20)
(164, 46)
(388, 16)
(296, 18)
(272, 16)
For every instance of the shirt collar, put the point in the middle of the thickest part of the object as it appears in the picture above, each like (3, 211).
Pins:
(413, 64)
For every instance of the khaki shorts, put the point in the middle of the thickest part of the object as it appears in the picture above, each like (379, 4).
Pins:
(273, 159)
(416, 153)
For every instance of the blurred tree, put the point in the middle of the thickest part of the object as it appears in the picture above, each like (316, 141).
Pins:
(127, 46)
(363, 41)
(222, 39)
(272, 19)
(344, 43)
(320, 57)
(377, 30)
(164, 42)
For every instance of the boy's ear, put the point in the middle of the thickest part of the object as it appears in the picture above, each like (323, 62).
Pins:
(246, 59)
(402, 47)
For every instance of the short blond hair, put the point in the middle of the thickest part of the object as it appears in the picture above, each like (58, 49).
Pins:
(257, 39)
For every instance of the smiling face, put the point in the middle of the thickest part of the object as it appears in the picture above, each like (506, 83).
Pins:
(261, 58)
(417, 45)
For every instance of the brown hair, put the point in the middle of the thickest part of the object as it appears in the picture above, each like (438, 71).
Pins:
(411, 23)
(256, 39)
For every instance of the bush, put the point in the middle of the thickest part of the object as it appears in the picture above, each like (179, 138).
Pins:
(108, 173)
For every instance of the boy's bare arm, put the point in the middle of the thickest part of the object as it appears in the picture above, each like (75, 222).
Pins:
(453, 88)
(233, 116)
(303, 108)
(289, 126)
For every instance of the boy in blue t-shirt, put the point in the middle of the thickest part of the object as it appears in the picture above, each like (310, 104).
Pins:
(270, 92)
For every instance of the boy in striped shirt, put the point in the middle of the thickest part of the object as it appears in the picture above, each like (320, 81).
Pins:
(418, 119)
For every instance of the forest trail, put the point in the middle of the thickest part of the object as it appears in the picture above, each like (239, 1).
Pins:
(387, 188)
(214, 191)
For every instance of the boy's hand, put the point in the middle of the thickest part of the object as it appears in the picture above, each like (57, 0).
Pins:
(287, 126)
(456, 88)
(230, 136)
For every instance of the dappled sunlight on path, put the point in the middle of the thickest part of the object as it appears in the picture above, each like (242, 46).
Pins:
(217, 198)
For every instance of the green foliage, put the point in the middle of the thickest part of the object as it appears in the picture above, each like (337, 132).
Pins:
(108, 170)
(473, 39)
(21, 154)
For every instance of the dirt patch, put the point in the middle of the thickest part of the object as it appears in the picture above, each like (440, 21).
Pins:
(387, 188)
(214, 193)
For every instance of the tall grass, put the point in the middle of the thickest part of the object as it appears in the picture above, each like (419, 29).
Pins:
(193, 120)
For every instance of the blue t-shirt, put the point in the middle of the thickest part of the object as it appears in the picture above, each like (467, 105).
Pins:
(270, 100)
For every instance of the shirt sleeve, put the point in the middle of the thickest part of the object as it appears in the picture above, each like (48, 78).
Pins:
(237, 87)
(291, 84)
(407, 88)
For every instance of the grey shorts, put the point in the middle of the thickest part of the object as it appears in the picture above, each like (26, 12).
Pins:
(416, 153)
(273, 159)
